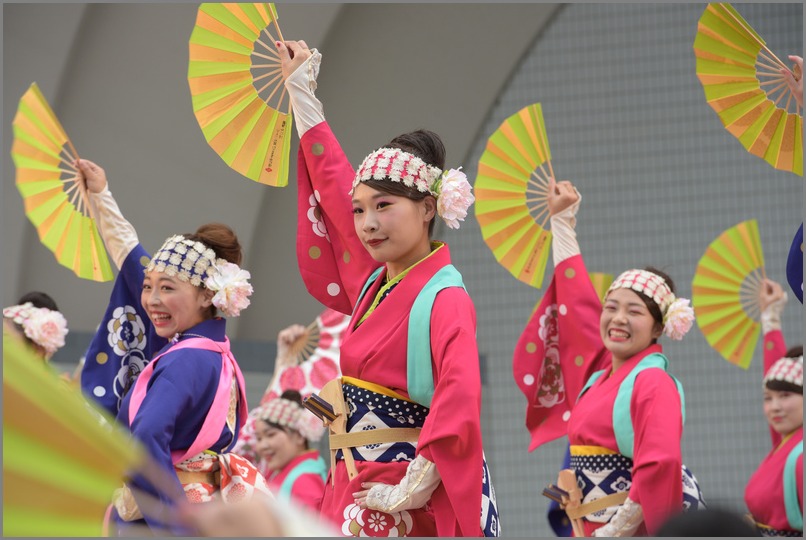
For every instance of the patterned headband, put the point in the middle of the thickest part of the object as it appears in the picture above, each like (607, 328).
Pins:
(195, 263)
(787, 370)
(677, 314)
(45, 327)
(291, 415)
(451, 188)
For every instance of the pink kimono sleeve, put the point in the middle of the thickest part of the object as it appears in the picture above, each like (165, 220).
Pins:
(657, 463)
(451, 435)
(559, 350)
(332, 261)
(774, 350)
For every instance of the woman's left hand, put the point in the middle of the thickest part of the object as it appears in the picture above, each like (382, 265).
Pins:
(292, 55)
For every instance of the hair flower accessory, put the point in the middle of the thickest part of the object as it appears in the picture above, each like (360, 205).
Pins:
(43, 326)
(231, 286)
(454, 196)
(678, 319)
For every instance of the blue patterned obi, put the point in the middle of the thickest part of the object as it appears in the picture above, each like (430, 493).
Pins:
(601, 472)
(367, 410)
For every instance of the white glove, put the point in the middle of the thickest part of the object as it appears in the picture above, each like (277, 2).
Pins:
(300, 85)
(771, 317)
(413, 491)
(118, 234)
(565, 243)
(624, 522)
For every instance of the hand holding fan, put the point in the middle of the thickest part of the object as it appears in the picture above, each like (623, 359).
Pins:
(236, 84)
(55, 199)
(511, 192)
(743, 83)
(725, 292)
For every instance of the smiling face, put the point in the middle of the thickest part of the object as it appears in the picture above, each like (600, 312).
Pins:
(393, 228)
(626, 325)
(276, 446)
(784, 410)
(172, 305)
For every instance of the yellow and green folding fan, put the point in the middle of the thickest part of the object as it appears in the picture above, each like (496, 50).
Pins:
(743, 84)
(511, 192)
(55, 200)
(725, 292)
(62, 458)
(239, 98)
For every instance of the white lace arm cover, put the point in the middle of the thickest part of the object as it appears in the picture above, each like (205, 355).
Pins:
(771, 317)
(565, 243)
(625, 522)
(300, 85)
(118, 234)
(413, 491)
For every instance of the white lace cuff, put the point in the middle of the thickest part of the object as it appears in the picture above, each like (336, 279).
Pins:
(624, 522)
(564, 240)
(301, 84)
(771, 317)
(413, 491)
(118, 234)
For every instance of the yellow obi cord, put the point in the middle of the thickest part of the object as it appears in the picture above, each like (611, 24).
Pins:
(582, 450)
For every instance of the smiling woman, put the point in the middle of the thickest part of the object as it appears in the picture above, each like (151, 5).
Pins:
(625, 420)
(188, 403)
(411, 461)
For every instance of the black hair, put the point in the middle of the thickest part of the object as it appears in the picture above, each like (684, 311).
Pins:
(427, 146)
(39, 300)
(784, 386)
(296, 397)
(707, 522)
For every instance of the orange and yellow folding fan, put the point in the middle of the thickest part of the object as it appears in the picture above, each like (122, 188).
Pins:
(725, 292)
(237, 88)
(511, 192)
(743, 84)
(55, 201)
(62, 458)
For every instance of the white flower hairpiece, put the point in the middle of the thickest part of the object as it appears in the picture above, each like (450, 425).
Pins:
(290, 414)
(450, 188)
(45, 327)
(231, 286)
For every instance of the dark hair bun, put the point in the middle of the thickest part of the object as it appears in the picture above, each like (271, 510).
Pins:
(221, 238)
(424, 144)
(39, 300)
(292, 395)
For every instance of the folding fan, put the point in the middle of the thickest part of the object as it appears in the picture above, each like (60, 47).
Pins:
(62, 459)
(725, 292)
(237, 87)
(55, 200)
(743, 84)
(511, 195)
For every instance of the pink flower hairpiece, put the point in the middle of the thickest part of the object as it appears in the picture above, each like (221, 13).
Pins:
(45, 327)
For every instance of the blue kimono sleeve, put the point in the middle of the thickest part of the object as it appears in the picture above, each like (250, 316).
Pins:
(125, 340)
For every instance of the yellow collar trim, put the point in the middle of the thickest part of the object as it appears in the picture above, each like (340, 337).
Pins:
(582, 450)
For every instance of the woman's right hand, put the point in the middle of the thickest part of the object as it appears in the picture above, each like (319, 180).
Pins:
(561, 195)
(285, 339)
(93, 176)
(771, 292)
(292, 55)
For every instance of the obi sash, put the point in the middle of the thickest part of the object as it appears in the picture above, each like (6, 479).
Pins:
(601, 472)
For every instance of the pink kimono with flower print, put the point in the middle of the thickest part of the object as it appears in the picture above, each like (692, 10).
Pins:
(335, 266)
(556, 354)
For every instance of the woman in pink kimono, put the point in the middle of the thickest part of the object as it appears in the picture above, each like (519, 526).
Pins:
(596, 373)
(774, 493)
(411, 461)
